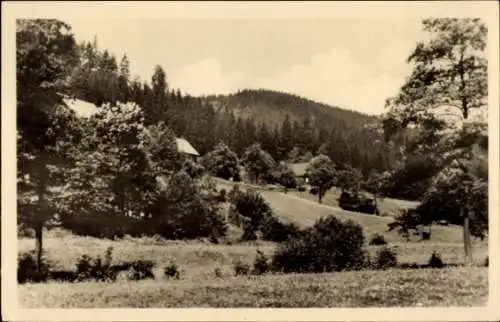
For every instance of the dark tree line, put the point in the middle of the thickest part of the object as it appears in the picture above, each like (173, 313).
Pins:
(290, 128)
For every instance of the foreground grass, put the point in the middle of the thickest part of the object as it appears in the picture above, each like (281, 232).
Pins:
(199, 259)
(391, 288)
(195, 258)
(304, 212)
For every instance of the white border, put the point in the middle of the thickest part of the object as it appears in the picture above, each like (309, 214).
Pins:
(487, 10)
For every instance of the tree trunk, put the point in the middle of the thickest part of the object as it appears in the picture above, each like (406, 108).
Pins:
(320, 197)
(40, 220)
(467, 242)
(39, 246)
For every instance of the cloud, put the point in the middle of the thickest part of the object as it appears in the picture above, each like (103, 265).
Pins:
(336, 78)
(205, 77)
(332, 77)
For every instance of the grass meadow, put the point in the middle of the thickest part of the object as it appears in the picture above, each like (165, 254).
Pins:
(391, 288)
(200, 287)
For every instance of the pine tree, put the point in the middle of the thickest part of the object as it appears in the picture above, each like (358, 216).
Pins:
(123, 80)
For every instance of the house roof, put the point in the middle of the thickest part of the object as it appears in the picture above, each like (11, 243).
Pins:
(80, 107)
(185, 147)
(299, 168)
(86, 109)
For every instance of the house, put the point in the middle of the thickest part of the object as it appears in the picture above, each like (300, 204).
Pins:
(300, 170)
(184, 147)
(86, 109)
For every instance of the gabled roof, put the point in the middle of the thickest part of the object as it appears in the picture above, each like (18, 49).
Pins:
(80, 107)
(185, 147)
(86, 109)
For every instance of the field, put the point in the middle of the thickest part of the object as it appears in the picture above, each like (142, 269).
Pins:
(445, 287)
(199, 286)
(304, 210)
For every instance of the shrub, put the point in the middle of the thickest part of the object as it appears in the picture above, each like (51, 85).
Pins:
(260, 264)
(253, 208)
(89, 268)
(218, 272)
(222, 197)
(274, 230)
(486, 262)
(185, 210)
(386, 258)
(301, 188)
(241, 268)
(222, 162)
(252, 205)
(249, 231)
(435, 261)
(172, 271)
(330, 245)
(65, 276)
(27, 270)
(193, 169)
(378, 239)
(234, 193)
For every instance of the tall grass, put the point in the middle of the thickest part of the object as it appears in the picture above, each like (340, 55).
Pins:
(391, 288)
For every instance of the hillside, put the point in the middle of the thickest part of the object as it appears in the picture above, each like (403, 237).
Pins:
(271, 107)
(303, 212)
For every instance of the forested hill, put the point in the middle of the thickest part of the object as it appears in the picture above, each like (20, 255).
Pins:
(287, 126)
(270, 107)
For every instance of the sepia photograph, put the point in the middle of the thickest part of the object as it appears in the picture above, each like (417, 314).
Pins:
(162, 158)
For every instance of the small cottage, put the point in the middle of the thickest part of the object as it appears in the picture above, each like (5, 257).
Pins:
(86, 109)
(186, 148)
(300, 170)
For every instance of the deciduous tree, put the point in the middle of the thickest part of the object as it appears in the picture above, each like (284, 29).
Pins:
(450, 71)
(322, 174)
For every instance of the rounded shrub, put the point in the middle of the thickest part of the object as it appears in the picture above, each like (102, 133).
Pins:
(330, 245)
(218, 272)
(386, 258)
(260, 264)
(377, 239)
(435, 261)
(241, 268)
(274, 230)
(172, 271)
(27, 270)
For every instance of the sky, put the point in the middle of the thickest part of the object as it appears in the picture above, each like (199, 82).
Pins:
(350, 63)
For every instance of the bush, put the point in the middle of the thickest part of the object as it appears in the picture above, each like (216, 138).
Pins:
(378, 239)
(435, 261)
(193, 169)
(27, 270)
(234, 193)
(172, 271)
(330, 245)
(222, 162)
(486, 262)
(241, 268)
(222, 197)
(249, 231)
(386, 258)
(253, 208)
(89, 268)
(218, 272)
(274, 230)
(260, 264)
(184, 210)
(252, 205)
